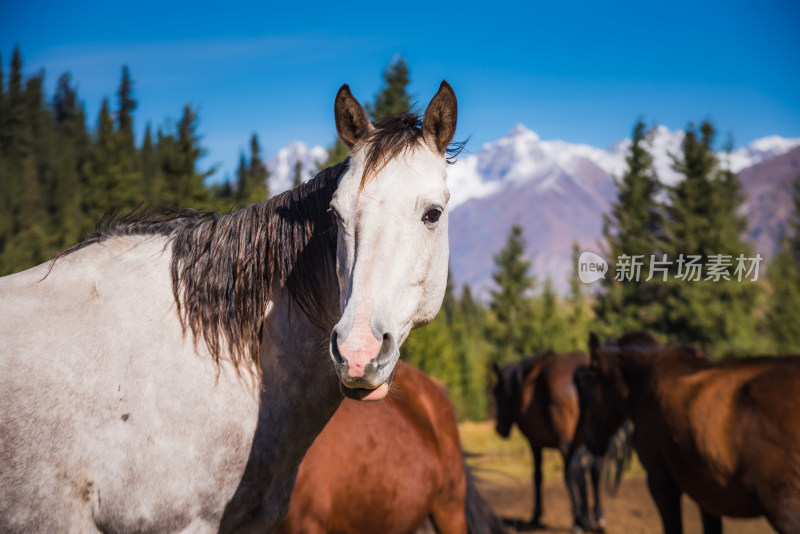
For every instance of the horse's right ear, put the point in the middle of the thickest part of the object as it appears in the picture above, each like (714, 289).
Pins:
(352, 122)
(439, 119)
(497, 371)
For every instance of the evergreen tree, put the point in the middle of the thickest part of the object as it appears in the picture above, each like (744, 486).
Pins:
(703, 221)
(337, 153)
(784, 277)
(511, 306)
(251, 177)
(579, 315)
(393, 98)
(178, 157)
(126, 106)
(73, 151)
(633, 228)
(56, 179)
(151, 183)
(3, 140)
(298, 174)
(548, 329)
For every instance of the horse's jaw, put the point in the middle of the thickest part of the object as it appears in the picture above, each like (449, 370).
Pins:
(363, 394)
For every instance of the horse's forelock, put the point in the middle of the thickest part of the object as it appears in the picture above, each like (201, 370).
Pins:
(390, 137)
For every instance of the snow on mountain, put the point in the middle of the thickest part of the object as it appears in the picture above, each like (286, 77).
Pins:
(758, 151)
(558, 192)
(282, 165)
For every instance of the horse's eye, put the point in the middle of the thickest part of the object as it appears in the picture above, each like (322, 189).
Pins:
(337, 219)
(432, 215)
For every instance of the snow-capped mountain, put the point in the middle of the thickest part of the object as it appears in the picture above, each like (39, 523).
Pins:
(521, 155)
(558, 192)
(282, 165)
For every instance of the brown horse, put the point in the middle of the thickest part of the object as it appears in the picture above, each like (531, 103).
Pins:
(540, 396)
(726, 434)
(387, 467)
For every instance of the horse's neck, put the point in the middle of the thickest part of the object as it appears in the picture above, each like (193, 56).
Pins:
(300, 393)
(300, 386)
(636, 370)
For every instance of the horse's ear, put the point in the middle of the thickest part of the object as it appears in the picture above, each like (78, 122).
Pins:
(497, 371)
(352, 122)
(439, 120)
(594, 344)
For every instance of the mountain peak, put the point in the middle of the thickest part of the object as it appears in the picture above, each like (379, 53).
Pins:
(520, 130)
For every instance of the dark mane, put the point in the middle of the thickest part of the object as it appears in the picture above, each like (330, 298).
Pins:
(222, 268)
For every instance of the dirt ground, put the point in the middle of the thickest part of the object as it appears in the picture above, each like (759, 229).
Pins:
(631, 511)
(505, 472)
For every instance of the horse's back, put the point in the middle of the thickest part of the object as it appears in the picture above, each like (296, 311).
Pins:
(101, 397)
(768, 439)
(734, 431)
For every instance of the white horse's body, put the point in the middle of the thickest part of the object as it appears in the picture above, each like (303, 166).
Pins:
(119, 424)
(114, 417)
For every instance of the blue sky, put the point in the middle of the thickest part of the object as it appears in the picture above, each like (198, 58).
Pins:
(578, 71)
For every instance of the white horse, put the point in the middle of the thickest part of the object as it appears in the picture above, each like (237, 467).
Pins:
(168, 373)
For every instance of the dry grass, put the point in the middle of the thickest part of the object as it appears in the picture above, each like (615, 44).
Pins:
(495, 458)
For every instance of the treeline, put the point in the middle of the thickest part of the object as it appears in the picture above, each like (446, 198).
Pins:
(58, 175)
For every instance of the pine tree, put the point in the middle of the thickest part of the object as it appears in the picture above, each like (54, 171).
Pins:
(251, 177)
(703, 220)
(547, 330)
(258, 175)
(784, 277)
(178, 155)
(298, 174)
(511, 306)
(151, 183)
(72, 157)
(393, 98)
(579, 315)
(633, 228)
(125, 107)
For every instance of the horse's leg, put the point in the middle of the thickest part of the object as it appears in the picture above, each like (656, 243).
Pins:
(448, 516)
(597, 471)
(575, 478)
(667, 496)
(712, 524)
(537, 487)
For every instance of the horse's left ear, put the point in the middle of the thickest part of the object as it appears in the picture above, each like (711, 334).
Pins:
(594, 344)
(439, 120)
(352, 122)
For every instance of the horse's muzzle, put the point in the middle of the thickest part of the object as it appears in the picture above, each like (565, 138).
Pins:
(362, 370)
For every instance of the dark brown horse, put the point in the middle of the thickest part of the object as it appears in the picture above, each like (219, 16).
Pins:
(540, 396)
(387, 467)
(726, 434)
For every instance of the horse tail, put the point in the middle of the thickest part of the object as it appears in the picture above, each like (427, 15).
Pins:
(481, 519)
(618, 455)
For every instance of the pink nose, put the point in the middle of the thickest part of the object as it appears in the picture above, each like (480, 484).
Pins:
(358, 350)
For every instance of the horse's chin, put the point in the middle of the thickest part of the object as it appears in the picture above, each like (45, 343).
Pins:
(364, 394)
